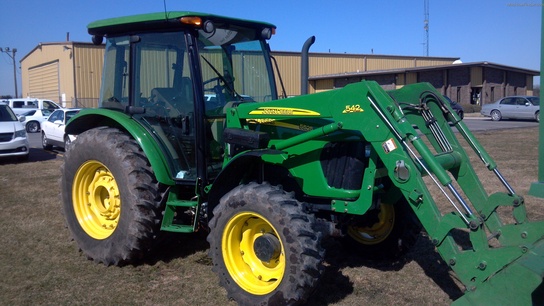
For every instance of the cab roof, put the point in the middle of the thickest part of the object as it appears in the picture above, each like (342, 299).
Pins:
(162, 20)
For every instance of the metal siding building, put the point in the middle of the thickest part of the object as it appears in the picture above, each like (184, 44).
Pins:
(470, 84)
(66, 72)
(321, 64)
(70, 73)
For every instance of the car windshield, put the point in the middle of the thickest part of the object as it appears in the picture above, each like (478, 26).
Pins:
(534, 100)
(6, 114)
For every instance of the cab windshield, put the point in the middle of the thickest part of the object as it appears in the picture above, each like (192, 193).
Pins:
(236, 71)
(181, 95)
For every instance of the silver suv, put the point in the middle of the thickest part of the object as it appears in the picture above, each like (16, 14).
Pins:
(13, 138)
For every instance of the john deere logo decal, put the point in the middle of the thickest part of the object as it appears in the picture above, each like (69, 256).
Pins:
(285, 111)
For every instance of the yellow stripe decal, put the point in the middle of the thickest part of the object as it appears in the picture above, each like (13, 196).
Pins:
(283, 111)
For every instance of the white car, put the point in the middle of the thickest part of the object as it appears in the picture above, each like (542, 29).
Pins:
(34, 119)
(53, 128)
(22, 105)
(13, 138)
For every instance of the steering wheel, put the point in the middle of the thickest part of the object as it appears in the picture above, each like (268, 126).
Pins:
(156, 105)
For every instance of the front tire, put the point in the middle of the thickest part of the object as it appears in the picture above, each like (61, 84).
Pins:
(388, 234)
(263, 246)
(110, 196)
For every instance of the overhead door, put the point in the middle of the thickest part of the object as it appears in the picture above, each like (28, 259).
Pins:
(44, 81)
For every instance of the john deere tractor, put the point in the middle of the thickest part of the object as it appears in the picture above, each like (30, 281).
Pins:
(191, 136)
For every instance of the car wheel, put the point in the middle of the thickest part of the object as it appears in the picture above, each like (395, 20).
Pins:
(461, 114)
(67, 142)
(496, 115)
(537, 116)
(45, 143)
(32, 127)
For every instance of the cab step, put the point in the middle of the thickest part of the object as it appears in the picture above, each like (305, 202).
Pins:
(173, 221)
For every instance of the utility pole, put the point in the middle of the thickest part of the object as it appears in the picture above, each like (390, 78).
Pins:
(426, 24)
(7, 50)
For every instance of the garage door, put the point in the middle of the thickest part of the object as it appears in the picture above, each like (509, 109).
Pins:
(44, 81)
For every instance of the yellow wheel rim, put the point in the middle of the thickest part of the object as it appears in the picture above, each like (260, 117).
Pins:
(96, 200)
(379, 231)
(248, 271)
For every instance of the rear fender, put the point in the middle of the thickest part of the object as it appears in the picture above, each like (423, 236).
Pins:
(91, 118)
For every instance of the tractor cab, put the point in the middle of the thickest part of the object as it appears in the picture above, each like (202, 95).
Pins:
(175, 74)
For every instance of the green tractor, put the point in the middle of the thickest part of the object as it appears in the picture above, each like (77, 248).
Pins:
(191, 136)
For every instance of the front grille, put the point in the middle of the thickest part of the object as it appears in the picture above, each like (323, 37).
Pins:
(5, 137)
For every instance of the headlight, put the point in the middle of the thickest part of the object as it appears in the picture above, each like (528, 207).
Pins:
(20, 133)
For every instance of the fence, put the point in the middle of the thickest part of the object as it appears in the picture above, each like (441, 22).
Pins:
(85, 102)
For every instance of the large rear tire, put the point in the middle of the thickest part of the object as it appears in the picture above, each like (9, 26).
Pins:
(110, 196)
(263, 246)
(389, 234)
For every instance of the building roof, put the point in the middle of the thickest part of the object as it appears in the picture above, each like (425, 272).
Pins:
(425, 68)
(368, 56)
(60, 43)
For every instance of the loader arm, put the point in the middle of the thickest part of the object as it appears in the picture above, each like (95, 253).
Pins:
(410, 130)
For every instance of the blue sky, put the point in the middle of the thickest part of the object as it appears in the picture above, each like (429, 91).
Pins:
(504, 32)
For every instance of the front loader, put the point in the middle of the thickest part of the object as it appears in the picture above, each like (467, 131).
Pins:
(191, 136)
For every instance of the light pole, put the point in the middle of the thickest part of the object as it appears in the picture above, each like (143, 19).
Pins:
(7, 50)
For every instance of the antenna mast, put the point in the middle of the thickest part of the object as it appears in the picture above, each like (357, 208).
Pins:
(426, 25)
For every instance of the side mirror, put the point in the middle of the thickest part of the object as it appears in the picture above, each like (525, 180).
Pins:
(22, 119)
(58, 122)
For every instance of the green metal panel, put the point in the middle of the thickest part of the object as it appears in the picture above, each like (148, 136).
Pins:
(159, 20)
(90, 118)
(386, 120)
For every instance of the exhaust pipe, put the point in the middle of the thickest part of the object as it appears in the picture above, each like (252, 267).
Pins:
(304, 70)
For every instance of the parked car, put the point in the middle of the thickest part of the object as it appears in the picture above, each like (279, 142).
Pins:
(456, 107)
(22, 105)
(514, 107)
(53, 128)
(13, 138)
(34, 118)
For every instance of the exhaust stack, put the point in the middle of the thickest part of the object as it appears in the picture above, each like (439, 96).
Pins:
(304, 74)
